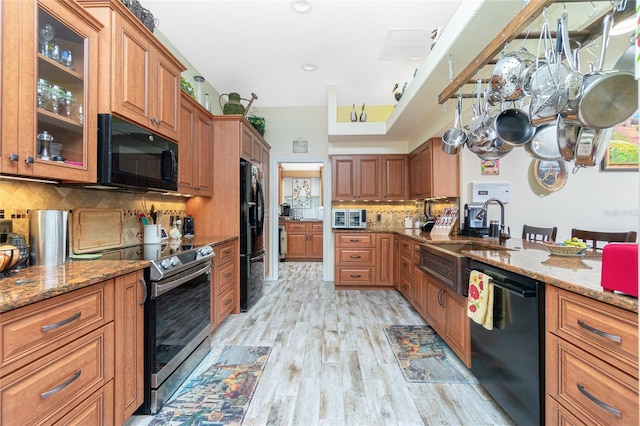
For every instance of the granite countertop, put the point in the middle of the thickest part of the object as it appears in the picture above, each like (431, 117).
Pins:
(37, 283)
(580, 275)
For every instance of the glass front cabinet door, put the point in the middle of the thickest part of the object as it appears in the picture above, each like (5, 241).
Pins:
(49, 86)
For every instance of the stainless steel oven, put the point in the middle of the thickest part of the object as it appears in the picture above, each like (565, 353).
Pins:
(177, 322)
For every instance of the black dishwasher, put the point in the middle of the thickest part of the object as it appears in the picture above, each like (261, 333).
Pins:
(508, 361)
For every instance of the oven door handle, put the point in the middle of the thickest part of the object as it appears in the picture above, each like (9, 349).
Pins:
(160, 289)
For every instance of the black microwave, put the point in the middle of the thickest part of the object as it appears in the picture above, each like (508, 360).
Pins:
(134, 158)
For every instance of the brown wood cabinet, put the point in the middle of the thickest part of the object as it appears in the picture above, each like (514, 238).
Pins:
(139, 77)
(252, 145)
(370, 177)
(225, 292)
(26, 69)
(304, 240)
(446, 313)
(220, 213)
(395, 177)
(56, 354)
(130, 294)
(356, 177)
(364, 259)
(384, 262)
(432, 172)
(195, 148)
(591, 361)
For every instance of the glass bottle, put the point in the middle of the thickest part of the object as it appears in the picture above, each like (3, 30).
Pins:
(198, 88)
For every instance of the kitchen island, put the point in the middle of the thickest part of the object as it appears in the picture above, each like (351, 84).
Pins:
(580, 275)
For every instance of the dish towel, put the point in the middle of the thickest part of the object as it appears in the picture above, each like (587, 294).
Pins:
(480, 299)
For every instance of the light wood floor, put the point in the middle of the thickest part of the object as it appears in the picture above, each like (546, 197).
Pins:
(331, 363)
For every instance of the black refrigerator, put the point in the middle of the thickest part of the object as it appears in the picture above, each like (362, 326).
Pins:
(251, 235)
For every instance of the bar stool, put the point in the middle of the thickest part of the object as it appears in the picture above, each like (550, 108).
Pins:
(534, 233)
(594, 237)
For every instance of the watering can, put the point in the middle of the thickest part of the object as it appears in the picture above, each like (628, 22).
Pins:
(233, 104)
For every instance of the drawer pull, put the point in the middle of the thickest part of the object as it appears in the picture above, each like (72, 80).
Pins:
(355, 275)
(355, 256)
(227, 251)
(61, 385)
(353, 240)
(228, 302)
(607, 407)
(609, 336)
(228, 275)
(144, 289)
(50, 327)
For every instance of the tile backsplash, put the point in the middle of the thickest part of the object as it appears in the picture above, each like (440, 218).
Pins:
(18, 198)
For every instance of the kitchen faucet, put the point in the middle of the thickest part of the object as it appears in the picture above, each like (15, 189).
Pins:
(504, 236)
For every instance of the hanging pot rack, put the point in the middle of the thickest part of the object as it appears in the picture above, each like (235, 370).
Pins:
(516, 29)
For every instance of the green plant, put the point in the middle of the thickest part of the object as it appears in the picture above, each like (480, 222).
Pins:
(257, 123)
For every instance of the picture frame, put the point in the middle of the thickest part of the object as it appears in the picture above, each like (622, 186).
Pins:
(622, 153)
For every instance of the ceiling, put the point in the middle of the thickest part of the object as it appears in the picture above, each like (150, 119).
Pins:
(260, 46)
(362, 47)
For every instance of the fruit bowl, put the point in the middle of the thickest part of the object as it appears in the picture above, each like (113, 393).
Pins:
(9, 256)
(565, 250)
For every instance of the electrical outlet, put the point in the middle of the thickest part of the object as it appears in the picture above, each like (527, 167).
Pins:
(378, 217)
(6, 226)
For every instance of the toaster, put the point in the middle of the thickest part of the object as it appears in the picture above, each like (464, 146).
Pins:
(620, 268)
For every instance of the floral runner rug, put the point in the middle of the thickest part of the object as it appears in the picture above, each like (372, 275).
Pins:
(424, 357)
(221, 394)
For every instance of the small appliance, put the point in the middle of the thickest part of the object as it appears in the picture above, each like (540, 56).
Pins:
(134, 158)
(187, 227)
(429, 220)
(348, 218)
(473, 226)
(620, 268)
(285, 209)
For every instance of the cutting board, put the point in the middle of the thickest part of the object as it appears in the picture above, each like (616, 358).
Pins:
(96, 229)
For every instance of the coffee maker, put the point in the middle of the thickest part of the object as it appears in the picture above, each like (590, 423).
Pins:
(187, 227)
(473, 226)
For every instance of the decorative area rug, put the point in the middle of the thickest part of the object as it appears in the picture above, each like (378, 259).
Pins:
(424, 357)
(220, 395)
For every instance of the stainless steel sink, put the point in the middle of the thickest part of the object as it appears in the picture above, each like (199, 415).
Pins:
(447, 264)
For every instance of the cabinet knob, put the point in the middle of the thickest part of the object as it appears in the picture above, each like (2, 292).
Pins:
(14, 157)
(153, 120)
(29, 160)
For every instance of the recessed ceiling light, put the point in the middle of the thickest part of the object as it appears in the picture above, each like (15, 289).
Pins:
(301, 6)
(309, 67)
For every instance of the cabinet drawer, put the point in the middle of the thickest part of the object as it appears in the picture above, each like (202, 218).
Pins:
(405, 286)
(354, 240)
(355, 256)
(42, 391)
(590, 386)
(95, 410)
(226, 276)
(406, 246)
(596, 326)
(51, 323)
(225, 252)
(557, 415)
(354, 276)
(415, 250)
(225, 303)
(296, 227)
(316, 227)
(406, 266)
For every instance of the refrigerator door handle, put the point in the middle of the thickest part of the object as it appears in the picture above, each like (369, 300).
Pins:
(260, 206)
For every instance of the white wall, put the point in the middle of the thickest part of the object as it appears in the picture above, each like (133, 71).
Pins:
(283, 126)
(591, 199)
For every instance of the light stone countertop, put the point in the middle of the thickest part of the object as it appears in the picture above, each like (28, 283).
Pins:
(37, 283)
